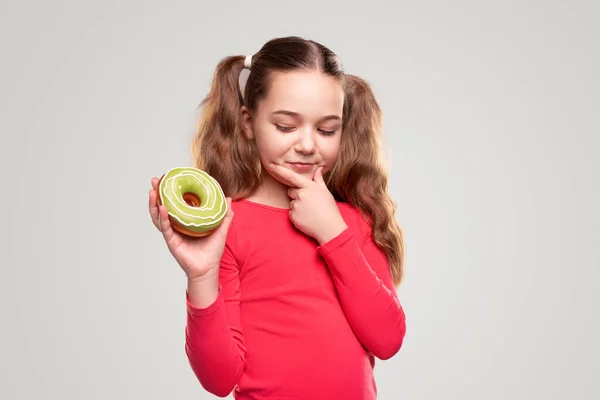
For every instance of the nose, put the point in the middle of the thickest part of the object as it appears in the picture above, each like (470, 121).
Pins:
(306, 142)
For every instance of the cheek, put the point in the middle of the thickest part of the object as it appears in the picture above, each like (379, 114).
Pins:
(265, 152)
(331, 150)
(269, 144)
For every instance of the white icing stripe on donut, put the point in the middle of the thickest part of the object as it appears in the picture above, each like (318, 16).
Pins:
(213, 207)
(208, 203)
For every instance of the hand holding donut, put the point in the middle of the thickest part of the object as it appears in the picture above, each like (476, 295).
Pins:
(197, 256)
(313, 209)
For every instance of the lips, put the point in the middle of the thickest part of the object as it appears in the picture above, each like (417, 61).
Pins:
(301, 166)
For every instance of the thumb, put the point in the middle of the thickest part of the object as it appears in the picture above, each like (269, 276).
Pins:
(318, 177)
(224, 227)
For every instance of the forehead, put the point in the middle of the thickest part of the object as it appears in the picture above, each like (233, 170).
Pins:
(309, 93)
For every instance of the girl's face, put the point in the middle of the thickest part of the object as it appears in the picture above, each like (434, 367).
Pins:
(299, 123)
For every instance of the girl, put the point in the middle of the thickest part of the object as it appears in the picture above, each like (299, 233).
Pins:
(296, 296)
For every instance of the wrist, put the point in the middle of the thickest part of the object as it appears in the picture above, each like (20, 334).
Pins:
(203, 290)
(208, 275)
(332, 233)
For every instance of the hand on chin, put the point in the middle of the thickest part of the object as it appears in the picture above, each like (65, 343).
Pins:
(313, 210)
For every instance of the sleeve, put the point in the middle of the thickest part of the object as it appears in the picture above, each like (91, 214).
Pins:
(367, 293)
(214, 339)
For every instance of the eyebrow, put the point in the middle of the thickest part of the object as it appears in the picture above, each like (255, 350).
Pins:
(296, 115)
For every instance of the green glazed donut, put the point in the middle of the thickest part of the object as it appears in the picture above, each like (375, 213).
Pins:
(194, 199)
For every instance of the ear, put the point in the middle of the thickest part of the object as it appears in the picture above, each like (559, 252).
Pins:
(247, 123)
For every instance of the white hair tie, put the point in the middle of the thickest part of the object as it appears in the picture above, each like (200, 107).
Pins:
(248, 62)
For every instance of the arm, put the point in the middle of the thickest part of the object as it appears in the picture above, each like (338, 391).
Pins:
(214, 340)
(367, 293)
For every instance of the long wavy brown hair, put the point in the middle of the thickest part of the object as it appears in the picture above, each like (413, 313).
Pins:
(359, 178)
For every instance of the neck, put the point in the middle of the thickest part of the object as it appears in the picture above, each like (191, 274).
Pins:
(271, 192)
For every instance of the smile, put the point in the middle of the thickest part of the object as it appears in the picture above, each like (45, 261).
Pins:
(302, 166)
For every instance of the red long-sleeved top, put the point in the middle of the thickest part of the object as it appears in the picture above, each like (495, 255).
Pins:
(295, 320)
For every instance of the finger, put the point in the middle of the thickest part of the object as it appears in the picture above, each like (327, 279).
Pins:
(291, 177)
(318, 177)
(154, 182)
(165, 225)
(293, 193)
(153, 208)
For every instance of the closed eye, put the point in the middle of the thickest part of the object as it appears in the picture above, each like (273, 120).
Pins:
(328, 133)
(291, 128)
(284, 128)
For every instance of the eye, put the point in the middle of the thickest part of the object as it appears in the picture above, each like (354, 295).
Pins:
(326, 132)
(284, 128)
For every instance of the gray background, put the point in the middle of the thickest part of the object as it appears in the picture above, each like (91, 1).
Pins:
(491, 129)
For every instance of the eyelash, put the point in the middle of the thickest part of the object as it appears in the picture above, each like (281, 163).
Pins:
(289, 129)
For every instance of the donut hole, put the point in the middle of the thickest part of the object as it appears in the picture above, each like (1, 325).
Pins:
(191, 199)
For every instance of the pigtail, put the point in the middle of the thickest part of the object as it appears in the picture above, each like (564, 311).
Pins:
(360, 177)
(219, 146)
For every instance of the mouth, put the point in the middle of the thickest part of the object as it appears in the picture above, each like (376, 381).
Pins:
(300, 166)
